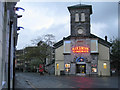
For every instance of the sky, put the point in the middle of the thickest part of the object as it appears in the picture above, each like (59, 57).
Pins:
(41, 18)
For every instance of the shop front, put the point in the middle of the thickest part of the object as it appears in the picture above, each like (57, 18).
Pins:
(80, 68)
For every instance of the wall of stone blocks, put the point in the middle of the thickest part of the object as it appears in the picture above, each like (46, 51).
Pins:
(75, 25)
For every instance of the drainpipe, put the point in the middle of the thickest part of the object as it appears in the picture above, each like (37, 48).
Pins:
(14, 66)
(9, 53)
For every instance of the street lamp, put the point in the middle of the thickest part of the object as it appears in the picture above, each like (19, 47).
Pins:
(19, 16)
(19, 28)
(18, 8)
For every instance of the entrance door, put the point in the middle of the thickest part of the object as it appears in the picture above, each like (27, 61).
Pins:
(81, 68)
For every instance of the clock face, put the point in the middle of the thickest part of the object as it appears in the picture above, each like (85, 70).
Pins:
(80, 31)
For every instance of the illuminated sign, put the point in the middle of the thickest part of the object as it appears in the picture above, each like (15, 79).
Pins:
(80, 59)
(80, 49)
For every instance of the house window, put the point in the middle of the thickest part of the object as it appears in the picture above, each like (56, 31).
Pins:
(105, 65)
(94, 68)
(57, 66)
(82, 17)
(67, 67)
(76, 17)
(94, 46)
(67, 46)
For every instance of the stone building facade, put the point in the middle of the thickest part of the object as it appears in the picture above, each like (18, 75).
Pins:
(82, 53)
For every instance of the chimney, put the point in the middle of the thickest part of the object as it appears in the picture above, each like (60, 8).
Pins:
(106, 38)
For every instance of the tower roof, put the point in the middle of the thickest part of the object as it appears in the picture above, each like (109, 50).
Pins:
(78, 6)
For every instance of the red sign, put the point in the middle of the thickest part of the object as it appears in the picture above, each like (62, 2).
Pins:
(80, 49)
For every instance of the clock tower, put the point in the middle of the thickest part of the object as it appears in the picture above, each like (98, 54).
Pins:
(80, 19)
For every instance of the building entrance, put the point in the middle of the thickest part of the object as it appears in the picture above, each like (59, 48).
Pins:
(81, 68)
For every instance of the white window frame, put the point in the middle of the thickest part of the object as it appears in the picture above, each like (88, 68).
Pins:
(64, 46)
(95, 47)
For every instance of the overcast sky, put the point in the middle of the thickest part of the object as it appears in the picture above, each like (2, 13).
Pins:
(42, 18)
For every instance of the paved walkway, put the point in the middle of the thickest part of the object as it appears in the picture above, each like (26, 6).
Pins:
(34, 80)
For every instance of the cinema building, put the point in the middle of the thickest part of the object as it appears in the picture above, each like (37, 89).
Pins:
(82, 53)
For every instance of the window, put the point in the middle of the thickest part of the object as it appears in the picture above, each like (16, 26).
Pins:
(94, 68)
(57, 66)
(94, 46)
(67, 67)
(67, 46)
(82, 17)
(105, 65)
(80, 59)
(76, 17)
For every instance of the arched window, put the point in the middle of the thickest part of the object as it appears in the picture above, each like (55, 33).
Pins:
(76, 17)
(80, 59)
(82, 17)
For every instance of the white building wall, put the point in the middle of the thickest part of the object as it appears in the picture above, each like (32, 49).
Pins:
(61, 66)
(5, 48)
(1, 42)
(4, 44)
(59, 59)
(103, 57)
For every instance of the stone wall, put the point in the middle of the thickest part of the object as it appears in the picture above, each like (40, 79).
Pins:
(75, 26)
(90, 59)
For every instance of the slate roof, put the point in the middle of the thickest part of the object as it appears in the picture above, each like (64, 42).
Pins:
(100, 40)
(81, 6)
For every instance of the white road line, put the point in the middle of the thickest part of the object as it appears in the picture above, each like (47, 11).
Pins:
(31, 84)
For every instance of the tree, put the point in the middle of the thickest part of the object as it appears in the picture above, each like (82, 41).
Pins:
(115, 54)
(40, 51)
(36, 55)
(49, 39)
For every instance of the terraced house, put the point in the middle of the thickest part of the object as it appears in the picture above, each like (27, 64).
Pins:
(82, 53)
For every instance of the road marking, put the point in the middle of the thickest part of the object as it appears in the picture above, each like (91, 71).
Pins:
(29, 83)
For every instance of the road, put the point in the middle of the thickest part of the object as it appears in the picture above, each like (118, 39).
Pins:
(34, 80)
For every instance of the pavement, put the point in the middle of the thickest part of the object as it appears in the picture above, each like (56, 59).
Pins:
(35, 80)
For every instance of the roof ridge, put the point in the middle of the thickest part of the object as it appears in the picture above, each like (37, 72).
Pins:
(79, 5)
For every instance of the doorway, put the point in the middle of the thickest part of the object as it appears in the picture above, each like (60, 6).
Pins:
(81, 68)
